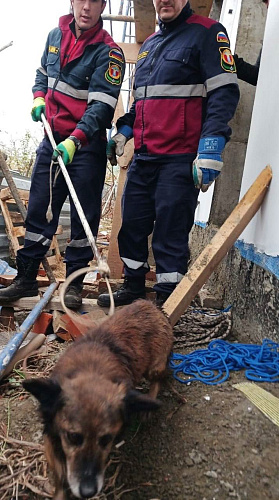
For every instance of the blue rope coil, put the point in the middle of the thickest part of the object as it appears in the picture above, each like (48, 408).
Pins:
(212, 366)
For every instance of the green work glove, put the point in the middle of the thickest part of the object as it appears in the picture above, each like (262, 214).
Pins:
(66, 149)
(39, 107)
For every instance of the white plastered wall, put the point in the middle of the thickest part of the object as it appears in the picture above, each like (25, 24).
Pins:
(229, 18)
(263, 143)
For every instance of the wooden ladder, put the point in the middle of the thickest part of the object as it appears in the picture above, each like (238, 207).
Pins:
(15, 226)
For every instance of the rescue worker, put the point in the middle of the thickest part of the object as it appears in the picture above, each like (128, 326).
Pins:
(185, 93)
(249, 72)
(76, 87)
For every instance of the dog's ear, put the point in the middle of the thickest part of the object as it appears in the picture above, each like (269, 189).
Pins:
(136, 402)
(45, 390)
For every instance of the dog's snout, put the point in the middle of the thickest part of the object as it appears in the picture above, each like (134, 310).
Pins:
(88, 488)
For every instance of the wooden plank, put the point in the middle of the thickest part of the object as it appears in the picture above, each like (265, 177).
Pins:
(16, 218)
(5, 194)
(201, 7)
(131, 51)
(14, 245)
(88, 305)
(220, 244)
(145, 19)
(18, 231)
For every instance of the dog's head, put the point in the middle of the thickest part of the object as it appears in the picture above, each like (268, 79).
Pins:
(82, 416)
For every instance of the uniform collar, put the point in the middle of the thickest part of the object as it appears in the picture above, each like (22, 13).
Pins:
(184, 14)
(87, 33)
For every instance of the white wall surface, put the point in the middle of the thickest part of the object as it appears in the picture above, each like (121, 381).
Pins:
(229, 17)
(263, 144)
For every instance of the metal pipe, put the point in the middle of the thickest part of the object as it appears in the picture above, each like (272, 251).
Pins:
(11, 348)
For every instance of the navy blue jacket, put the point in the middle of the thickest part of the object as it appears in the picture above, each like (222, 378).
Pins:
(185, 88)
(80, 80)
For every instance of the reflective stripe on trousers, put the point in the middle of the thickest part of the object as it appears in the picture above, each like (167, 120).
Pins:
(159, 198)
(87, 173)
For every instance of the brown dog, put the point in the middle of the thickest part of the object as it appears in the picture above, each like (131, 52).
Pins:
(90, 393)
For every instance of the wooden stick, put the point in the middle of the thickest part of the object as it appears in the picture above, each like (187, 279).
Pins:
(220, 244)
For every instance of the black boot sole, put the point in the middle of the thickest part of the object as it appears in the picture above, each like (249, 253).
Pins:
(14, 298)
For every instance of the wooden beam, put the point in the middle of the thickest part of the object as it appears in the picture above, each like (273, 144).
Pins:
(114, 262)
(220, 244)
(201, 7)
(131, 51)
(145, 19)
(28, 303)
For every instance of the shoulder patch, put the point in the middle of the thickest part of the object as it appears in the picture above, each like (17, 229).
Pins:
(53, 50)
(142, 55)
(222, 37)
(113, 73)
(227, 60)
(116, 54)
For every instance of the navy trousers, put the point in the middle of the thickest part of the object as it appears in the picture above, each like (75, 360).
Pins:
(87, 173)
(158, 197)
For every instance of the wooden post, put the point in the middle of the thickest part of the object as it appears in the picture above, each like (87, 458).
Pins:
(220, 244)
(114, 262)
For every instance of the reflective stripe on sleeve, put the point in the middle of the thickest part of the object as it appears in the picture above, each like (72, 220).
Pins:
(220, 80)
(42, 70)
(102, 97)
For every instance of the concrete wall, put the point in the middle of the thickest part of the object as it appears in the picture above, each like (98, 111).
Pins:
(252, 292)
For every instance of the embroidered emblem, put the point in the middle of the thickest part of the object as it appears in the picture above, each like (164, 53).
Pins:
(113, 73)
(222, 37)
(142, 55)
(116, 54)
(227, 60)
(53, 50)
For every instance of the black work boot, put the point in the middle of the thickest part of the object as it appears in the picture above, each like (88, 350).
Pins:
(161, 298)
(25, 283)
(132, 289)
(73, 295)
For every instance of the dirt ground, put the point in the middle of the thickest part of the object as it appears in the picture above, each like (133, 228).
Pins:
(214, 445)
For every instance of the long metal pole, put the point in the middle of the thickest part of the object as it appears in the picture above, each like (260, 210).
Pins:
(11, 348)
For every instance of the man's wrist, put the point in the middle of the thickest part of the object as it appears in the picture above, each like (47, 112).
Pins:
(76, 141)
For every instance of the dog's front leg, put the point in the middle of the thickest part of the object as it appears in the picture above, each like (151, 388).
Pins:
(154, 389)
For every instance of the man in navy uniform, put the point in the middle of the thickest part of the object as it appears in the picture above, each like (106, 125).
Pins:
(185, 93)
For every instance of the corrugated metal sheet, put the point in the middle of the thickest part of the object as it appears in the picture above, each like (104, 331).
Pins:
(23, 182)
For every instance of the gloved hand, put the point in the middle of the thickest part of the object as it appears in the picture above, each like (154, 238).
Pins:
(66, 149)
(39, 107)
(116, 144)
(208, 163)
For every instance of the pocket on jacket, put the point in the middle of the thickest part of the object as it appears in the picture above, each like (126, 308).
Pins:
(181, 55)
(80, 76)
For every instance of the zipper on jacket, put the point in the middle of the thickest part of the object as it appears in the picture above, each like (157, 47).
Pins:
(145, 91)
(56, 82)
